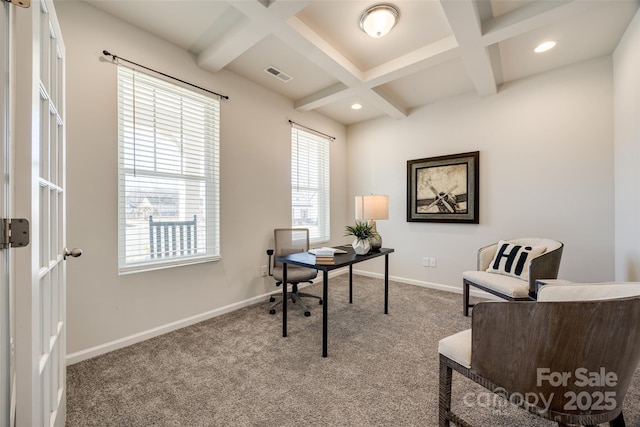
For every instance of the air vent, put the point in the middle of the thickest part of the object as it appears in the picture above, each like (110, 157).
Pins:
(278, 73)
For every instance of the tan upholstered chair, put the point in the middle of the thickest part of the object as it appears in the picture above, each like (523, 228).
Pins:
(569, 357)
(513, 287)
(288, 241)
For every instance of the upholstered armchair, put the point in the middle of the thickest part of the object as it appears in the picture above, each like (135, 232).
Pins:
(509, 269)
(568, 357)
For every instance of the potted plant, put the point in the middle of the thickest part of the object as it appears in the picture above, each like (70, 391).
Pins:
(363, 232)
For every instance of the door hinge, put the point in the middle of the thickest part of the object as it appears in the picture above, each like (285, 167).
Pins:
(21, 3)
(15, 233)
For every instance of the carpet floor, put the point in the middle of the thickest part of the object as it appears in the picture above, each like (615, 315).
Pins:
(237, 369)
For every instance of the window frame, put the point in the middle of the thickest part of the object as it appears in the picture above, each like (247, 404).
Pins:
(192, 183)
(317, 146)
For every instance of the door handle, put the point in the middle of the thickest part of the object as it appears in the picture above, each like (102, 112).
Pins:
(75, 252)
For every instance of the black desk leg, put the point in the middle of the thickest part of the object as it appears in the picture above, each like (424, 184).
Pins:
(350, 283)
(386, 284)
(284, 299)
(325, 310)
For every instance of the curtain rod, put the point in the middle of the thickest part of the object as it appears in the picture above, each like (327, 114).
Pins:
(333, 138)
(115, 58)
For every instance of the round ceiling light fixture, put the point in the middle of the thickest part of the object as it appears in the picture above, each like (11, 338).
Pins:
(356, 106)
(379, 19)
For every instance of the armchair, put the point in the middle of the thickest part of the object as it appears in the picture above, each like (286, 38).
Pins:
(513, 277)
(573, 365)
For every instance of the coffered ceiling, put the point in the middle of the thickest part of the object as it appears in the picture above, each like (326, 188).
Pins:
(436, 50)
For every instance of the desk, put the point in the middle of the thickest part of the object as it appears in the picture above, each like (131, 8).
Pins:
(305, 259)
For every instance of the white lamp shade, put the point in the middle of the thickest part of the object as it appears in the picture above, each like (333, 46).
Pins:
(372, 207)
(378, 20)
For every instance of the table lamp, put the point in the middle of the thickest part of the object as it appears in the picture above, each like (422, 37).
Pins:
(370, 208)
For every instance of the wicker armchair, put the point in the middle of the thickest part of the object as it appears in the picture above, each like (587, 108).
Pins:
(569, 357)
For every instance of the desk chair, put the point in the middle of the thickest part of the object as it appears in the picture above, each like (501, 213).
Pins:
(574, 333)
(289, 241)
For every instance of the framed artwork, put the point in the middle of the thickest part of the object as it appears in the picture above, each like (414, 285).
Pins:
(444, 189)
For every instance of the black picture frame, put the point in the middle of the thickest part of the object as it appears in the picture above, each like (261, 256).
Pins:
(444, 188)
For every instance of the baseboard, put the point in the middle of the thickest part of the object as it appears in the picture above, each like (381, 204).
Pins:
(98, 350)
(430, 285)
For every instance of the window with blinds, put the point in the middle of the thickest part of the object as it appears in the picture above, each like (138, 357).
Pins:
(310, 183)
(168, 174)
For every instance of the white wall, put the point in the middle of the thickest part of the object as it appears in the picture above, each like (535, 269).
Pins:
(626, 95)
(102, 307)
(546, 170)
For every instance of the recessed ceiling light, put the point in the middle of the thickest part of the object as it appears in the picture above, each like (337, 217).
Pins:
(543, 47)
(356, 106)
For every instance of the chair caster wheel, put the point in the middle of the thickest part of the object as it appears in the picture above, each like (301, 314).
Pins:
(321, 302)
(307, 313)
(272, 311)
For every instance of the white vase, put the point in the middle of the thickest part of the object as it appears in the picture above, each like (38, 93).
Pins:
(361, 247)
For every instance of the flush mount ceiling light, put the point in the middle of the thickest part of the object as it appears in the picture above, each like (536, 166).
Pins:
(379, 19)
(356, 106)
(543, 47)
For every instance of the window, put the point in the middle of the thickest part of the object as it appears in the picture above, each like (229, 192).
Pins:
(310, 183)
(168, 174)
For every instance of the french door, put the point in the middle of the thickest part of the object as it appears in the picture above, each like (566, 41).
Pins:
(39, 196)
(7, 359)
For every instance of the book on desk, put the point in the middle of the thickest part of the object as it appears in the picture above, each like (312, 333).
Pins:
(326, 255)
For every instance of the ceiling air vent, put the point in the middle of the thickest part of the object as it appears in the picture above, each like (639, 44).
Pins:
(278, 73)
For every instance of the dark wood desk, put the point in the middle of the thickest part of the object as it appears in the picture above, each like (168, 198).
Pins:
(305, 259)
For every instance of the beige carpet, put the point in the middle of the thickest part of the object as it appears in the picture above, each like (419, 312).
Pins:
(237, 370)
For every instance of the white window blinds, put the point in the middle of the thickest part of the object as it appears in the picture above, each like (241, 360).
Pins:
(168, 174)
(310, 183)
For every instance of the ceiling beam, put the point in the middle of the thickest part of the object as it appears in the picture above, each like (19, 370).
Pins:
(258, 21)
(412, 62)
(323, 97)
(242, 36)
(530, 17)
(466, 24)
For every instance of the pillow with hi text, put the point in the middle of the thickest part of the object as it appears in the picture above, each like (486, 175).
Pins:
(512, 259)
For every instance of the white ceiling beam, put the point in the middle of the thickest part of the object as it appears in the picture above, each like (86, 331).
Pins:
(532, 16)
(323, 97)
(257, 23)
(241, 37)
(464, 19)
(378, 98)
(307, 42)
(420, 59)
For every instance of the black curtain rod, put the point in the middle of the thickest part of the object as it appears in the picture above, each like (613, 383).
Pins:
(291, 122)
(106, 53)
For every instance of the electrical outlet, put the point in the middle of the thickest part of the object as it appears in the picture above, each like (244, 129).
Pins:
(432, 262)
(263, 270)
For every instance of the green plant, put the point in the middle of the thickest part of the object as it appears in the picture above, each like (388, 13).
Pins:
(361, 231)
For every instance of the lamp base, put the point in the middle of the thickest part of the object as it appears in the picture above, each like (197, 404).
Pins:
(376, 239)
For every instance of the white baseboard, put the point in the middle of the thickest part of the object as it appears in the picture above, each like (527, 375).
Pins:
(98, 350)
(430, 285)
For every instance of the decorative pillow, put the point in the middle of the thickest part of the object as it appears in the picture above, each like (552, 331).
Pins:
(512, 259)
